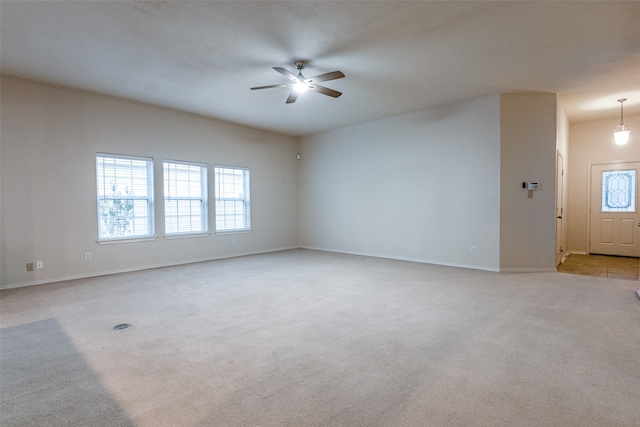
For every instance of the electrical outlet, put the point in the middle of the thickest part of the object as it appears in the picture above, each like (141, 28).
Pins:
(344, 238)
(234, 241)
(474, 249)
(87, 256)
(39, 265)
(30, 266)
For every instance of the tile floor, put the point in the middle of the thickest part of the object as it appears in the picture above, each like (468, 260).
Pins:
(614, 267)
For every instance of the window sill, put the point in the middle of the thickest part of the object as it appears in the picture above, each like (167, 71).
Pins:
(185, 235)
(222, 233)
(133, 240)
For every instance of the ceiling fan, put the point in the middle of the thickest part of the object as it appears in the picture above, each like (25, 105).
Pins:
(301, 84)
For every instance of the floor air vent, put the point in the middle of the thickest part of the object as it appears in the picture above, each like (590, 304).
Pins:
(121, 326)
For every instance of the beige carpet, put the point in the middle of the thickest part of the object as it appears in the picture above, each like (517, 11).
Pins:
(305, 338)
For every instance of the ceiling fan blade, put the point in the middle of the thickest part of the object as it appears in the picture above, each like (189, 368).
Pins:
(270, 86)
(325, 77)
(325, 91)
(288, 74)
(292, 97)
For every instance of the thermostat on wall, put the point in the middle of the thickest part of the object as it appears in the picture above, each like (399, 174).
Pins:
(532, 185)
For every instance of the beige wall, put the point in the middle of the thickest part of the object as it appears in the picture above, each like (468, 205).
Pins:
(423, 186)
(527, 153)
(592, 143)
(50, 137)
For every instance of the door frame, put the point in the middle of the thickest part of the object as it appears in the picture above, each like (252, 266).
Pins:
(561, 251)
(589, 189)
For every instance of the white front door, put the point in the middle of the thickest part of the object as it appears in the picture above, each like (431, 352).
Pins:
(615, 222)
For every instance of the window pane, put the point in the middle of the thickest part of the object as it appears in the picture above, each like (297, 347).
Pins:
(185, 197)
(619, 191)
(125, 196)
(232, 199)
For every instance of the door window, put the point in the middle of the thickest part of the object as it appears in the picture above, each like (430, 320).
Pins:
(619, 191)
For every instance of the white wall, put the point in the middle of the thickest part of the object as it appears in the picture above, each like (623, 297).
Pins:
(423, 186)
(562, 146)
(592, 143)
(49, 140)
(528, 153)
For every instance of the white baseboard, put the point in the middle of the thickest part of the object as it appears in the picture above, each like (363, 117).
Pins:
(140, 268)
(192, 261)
(436, 262)
(418, 260)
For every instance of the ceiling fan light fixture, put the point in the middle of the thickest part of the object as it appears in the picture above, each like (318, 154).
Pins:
(299, 84)
(621, 132)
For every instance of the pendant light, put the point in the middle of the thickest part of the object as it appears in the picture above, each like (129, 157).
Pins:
(621, 132)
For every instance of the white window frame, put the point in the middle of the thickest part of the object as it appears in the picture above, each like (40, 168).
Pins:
(232, 204)
(172, 194)
(123, 190)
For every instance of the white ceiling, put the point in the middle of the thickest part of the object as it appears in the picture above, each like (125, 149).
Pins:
(398, 57)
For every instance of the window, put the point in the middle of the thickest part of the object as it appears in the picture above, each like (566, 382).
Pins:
(125, 196)
(232, 199)
(619, 191)
(185, 197)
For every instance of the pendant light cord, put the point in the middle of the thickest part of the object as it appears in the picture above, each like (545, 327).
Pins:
(621, 101)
